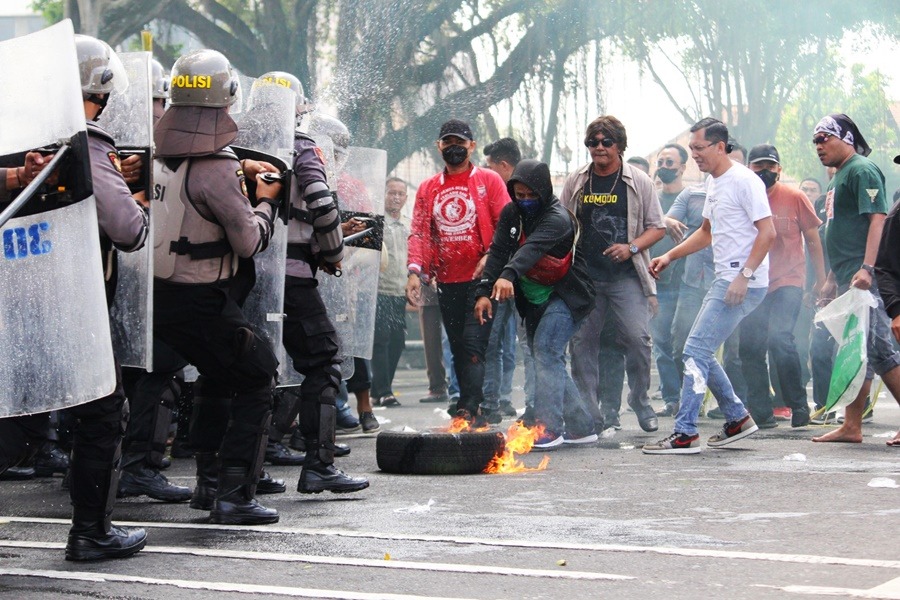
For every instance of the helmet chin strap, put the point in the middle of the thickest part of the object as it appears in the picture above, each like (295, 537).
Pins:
(100, 100)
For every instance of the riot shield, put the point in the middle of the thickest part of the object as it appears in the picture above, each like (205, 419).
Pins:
(128, 118)
(55, 348)
(351, 298)
(266, 126)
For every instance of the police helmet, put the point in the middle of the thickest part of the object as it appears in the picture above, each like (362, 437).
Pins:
(281, 79)
(203, 78)
(100, 68)
(340, 136)
(160, 81)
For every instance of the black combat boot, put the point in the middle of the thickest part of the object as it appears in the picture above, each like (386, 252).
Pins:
(204, 497)
(320, 476)
(269, 485)
(141, 480)
(278, 454)
(50, 460)
(235, 504)
(93, 537)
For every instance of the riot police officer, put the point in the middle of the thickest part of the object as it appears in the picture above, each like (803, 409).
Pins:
(314, 241)
(203, 224)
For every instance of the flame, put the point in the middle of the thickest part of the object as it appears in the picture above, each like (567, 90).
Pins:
(460, 425)
(519, 440)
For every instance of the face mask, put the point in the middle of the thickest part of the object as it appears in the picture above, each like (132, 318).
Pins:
(529, 207)
(667, 175)
(769, 177)
(455, 155)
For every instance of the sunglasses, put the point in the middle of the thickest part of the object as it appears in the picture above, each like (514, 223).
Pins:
(820, 138)
(668, 163)
(594, 142)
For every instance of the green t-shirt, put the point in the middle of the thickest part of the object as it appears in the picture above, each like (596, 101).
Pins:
(855, 192)
(536, 293)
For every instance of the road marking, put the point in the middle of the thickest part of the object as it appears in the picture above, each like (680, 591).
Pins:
(346, 561)
(216, 586)
(666, 550)
(886, 591)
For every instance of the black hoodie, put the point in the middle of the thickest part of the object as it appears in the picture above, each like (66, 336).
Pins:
(551, 231)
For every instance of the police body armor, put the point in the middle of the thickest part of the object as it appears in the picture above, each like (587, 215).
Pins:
(55, 348)
(208, 254)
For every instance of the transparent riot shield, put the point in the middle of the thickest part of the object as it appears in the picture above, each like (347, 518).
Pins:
(351, 298)
(128, 118)
(55, 348)
(266, 126)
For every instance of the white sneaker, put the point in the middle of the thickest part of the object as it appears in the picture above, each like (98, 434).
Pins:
(587, 439)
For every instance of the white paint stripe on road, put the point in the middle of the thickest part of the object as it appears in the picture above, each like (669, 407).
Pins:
(886, 591)
(215, 586)
(666, 550)
(346, 561)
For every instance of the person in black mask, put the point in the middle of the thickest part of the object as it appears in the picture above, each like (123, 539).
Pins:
(453, 223)
(534, 258)
(670, 164)
(769, 328)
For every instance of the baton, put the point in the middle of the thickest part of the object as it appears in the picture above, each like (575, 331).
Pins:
(361, 234)
(32, 187)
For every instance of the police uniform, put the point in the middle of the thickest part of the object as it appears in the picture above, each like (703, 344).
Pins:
(205, 225)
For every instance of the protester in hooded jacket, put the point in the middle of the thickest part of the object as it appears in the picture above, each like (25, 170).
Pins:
(534, 258)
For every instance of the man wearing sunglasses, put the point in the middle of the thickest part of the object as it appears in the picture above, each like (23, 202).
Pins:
(737, 222)
(855, 208)
(620, 220)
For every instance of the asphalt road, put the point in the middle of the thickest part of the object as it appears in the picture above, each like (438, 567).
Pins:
(600, 522)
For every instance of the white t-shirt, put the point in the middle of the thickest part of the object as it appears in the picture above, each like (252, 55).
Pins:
(734, 201)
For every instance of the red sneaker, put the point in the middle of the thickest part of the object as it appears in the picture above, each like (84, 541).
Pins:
(782, 413)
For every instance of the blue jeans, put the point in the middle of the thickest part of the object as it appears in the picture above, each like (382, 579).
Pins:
(715, 323)
(500, 358)
(557, 403)
(690, 299)
(770, 329)
(527, 361)
(661, 332)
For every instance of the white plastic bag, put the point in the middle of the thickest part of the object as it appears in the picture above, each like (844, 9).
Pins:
(847, 319)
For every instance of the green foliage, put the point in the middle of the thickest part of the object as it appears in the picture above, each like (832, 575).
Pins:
(52, 10)
(860, 95)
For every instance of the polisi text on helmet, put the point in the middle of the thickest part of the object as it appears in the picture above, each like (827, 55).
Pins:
(192, 81)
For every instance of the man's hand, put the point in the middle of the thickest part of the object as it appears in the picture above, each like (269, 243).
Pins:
(675, 229)
(483, 305)
(330, 268)
(737, 291)
(267, 190)
(479, 268)
(618, 253)
(252, 168)
(659, 264)
(352, 226)
(34, 164)
(131, 169)
(503, 290)
(862, 280)
(414, 289)
(828, 293)
(141, 198)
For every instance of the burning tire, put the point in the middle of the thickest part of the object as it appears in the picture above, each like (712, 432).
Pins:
(437, 453)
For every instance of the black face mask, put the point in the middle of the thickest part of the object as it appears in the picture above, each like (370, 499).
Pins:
(769, 177)
(667, 175)
(455, 155)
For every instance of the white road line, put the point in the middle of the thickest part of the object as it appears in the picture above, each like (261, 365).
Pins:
(346, 561)
(666, 550)
(216, 586)
(886, 591)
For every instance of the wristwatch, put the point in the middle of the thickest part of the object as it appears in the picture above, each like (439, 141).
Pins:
(869, 269)
(633, 248)
(747, 272)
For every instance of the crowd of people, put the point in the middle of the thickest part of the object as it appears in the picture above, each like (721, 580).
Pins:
(626, 265)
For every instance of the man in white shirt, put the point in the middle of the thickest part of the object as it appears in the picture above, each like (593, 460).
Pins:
(737, 222)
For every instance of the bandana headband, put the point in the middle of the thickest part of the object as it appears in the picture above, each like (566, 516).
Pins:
(842, 127)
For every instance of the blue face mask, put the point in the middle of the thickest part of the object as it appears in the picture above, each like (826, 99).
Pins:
(529, 207)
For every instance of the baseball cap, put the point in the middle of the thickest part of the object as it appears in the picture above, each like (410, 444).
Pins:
(763, 152)
(456, 127)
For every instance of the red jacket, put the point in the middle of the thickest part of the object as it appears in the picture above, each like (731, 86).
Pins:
(431, 236)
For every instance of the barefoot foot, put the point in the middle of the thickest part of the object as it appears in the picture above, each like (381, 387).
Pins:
(849, 435)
